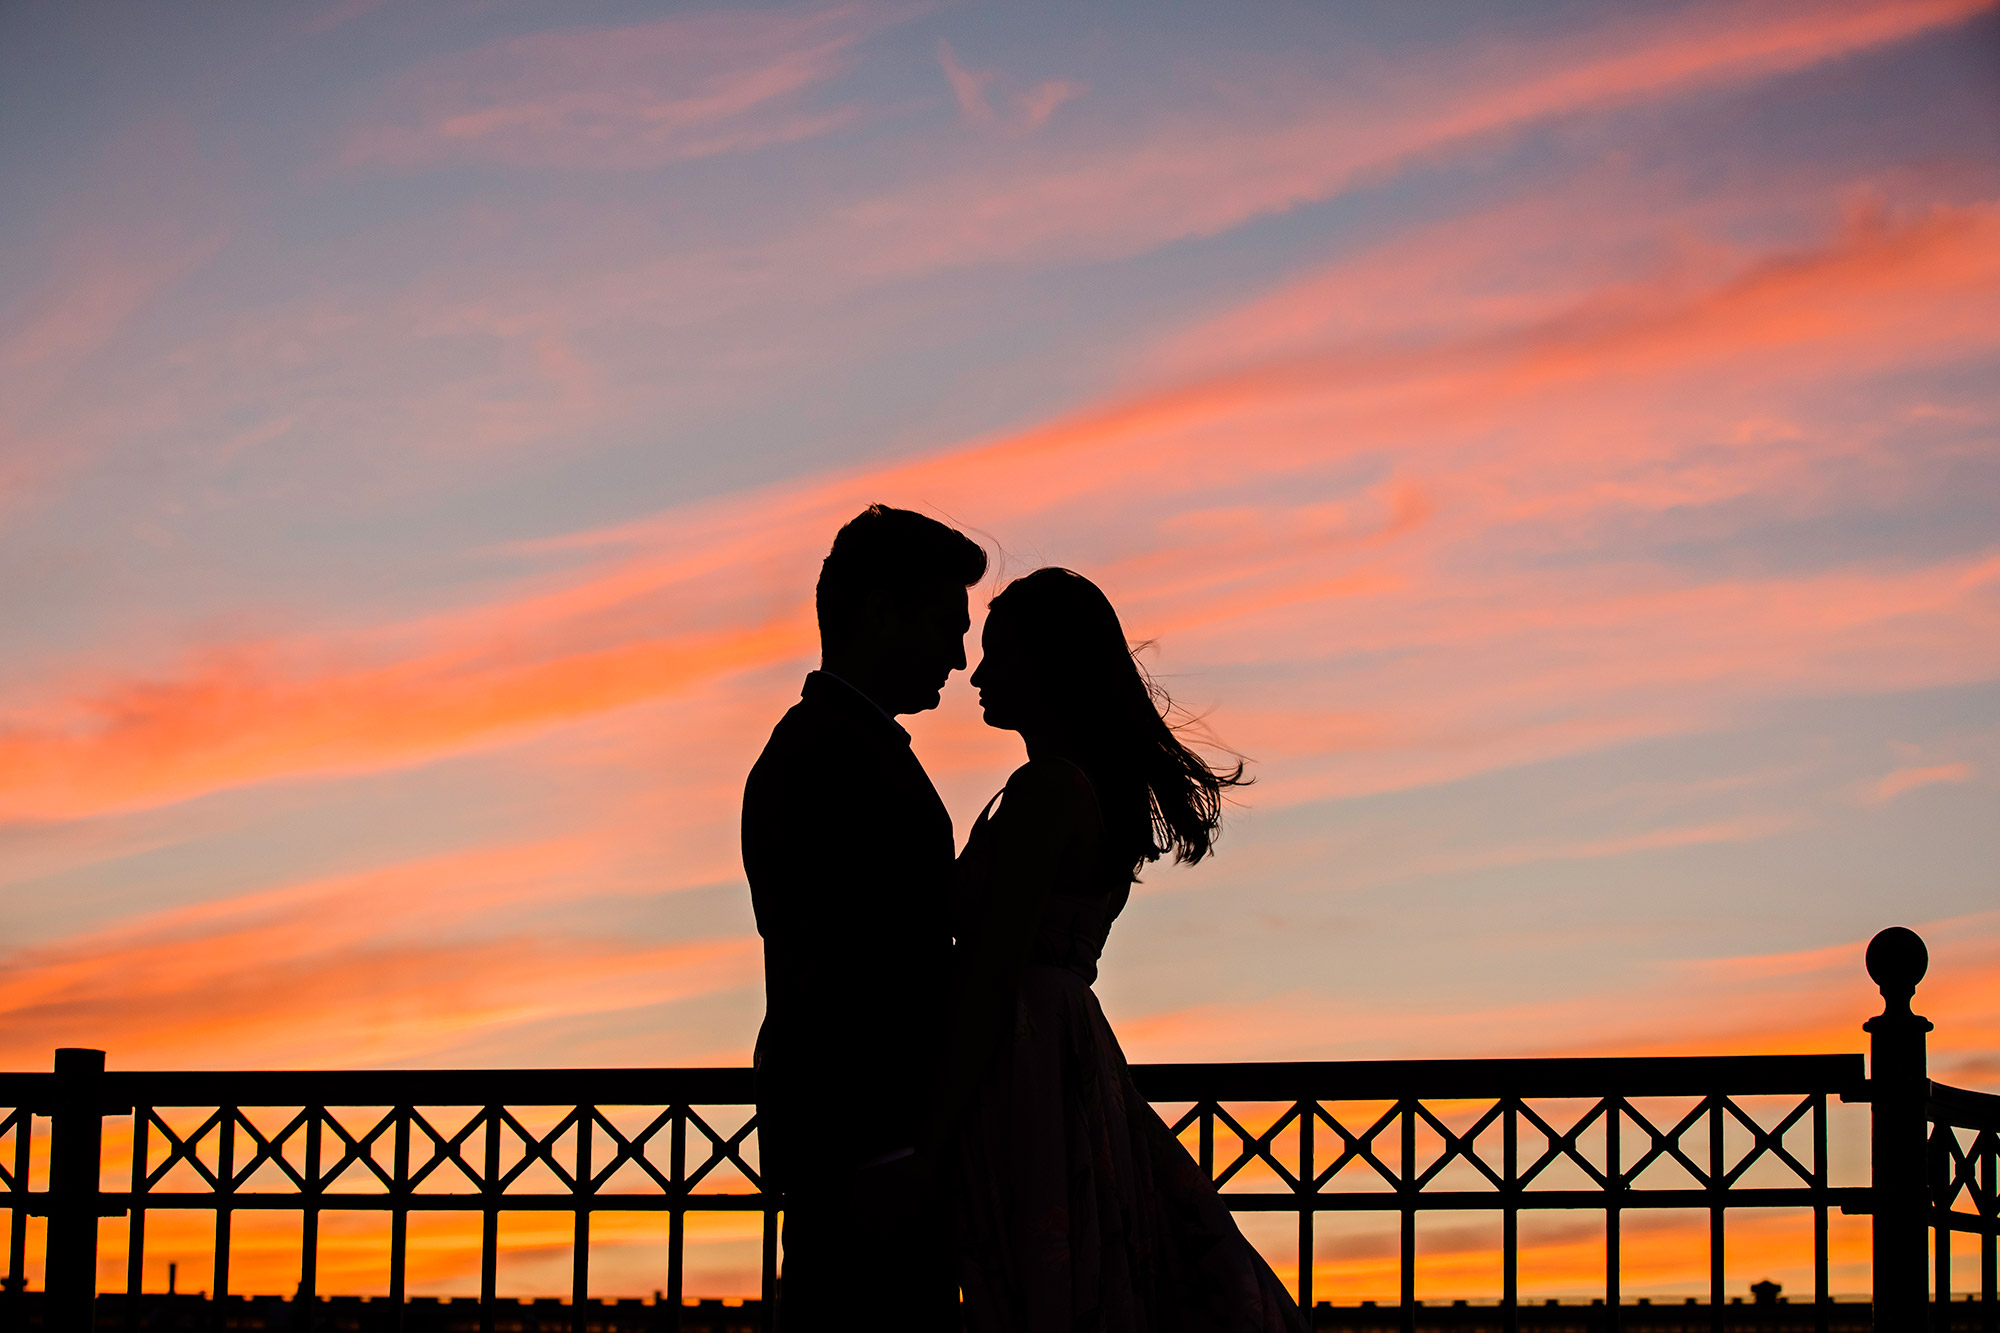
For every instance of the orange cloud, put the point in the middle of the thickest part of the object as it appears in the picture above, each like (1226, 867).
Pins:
(242, 716)
(381, 967)
(1812, 1001)
(1527, 434)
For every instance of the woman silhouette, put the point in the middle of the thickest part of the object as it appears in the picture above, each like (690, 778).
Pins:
(1077, 1208)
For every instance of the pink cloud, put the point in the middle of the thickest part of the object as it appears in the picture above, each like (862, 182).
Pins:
(620, 99)
(1293, 139)
(1030, 108)
(967, 86)
(1902, 780)
(1235, 536)
(105, 258)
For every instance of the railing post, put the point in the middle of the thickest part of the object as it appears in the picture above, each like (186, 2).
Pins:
(76, 1149)
(1898, 1092)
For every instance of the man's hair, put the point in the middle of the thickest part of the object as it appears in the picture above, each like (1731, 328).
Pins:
(898, 551)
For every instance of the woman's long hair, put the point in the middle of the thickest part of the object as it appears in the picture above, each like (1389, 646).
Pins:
(1158, 795)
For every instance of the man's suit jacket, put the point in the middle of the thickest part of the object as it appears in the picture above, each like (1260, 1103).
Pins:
(849, 855)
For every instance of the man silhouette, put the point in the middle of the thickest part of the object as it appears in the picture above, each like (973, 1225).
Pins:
(849, 853)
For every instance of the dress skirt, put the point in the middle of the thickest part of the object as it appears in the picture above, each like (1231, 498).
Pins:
(1078, 1210)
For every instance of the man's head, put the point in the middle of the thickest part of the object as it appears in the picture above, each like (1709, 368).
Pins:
(892, 605)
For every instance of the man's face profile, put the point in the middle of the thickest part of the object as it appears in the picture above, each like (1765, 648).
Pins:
(922, 641)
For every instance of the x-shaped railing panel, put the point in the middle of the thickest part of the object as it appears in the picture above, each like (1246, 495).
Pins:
(1256, 1147)
(1357, 1147)
(1955, 1170)
(722, 1150)
(258, 1148)
(446, 1149)
(183, 1148)
(1558, 1145)
(1664, 1144)
(359, 1149)
(16, 1122)
(1771, 1141)
(1457, 1147)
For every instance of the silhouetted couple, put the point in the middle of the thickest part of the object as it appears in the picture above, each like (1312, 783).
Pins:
(939, 1095)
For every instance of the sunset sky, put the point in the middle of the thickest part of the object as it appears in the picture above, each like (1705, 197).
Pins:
(1556, 443)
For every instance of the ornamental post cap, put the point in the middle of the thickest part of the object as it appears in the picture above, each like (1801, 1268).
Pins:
(79, 1060)
(1897, 960)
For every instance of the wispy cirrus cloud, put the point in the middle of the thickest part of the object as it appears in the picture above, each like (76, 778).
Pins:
(252, 713)
(382, 966)
(145, 216)
(976, 95)
(1809, 1000)
(1902, 780)
(1287, 139)
(620, 99)
(1512, 444)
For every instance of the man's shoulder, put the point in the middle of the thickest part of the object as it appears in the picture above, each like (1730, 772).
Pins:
(809, 724)
(813, 736)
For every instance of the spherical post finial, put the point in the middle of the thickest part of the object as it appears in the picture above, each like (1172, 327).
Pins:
(1897, 961)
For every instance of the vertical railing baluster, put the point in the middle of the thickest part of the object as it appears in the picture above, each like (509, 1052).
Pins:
(1989, 1244)
(1205, 1120)
(579, 1279)
(135, 1235)
(1942, 1139)
(399, 1216)
(767, 1317)
(1614, 1181)
(17, 1221)
(1510, 1219)
(1822, 1313)
(1308, 1112)
(489, 1222)
(225, 1216)
(1717, 1253)
(1407, 1187)
(308, 1295)
(677, 1212)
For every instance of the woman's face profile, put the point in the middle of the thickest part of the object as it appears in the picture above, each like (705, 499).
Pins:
(1009, 691)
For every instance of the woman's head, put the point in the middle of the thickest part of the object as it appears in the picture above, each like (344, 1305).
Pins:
(1057, 669)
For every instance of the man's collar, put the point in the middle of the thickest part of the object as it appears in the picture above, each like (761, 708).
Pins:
(840, 688)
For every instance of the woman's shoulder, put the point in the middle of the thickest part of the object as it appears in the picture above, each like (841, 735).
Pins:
(1051, 787)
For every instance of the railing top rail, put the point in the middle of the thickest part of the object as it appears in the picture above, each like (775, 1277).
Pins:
(400, 1087)
(1584, 1076)
(1342, 1080)
(1964, 1108)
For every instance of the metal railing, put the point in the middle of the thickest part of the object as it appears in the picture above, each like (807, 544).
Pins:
(1387, 1137)
(1511, 1131)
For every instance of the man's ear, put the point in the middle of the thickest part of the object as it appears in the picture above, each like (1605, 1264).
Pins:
(882, 615)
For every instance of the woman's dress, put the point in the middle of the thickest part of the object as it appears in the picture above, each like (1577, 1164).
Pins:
(1078, 1210)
